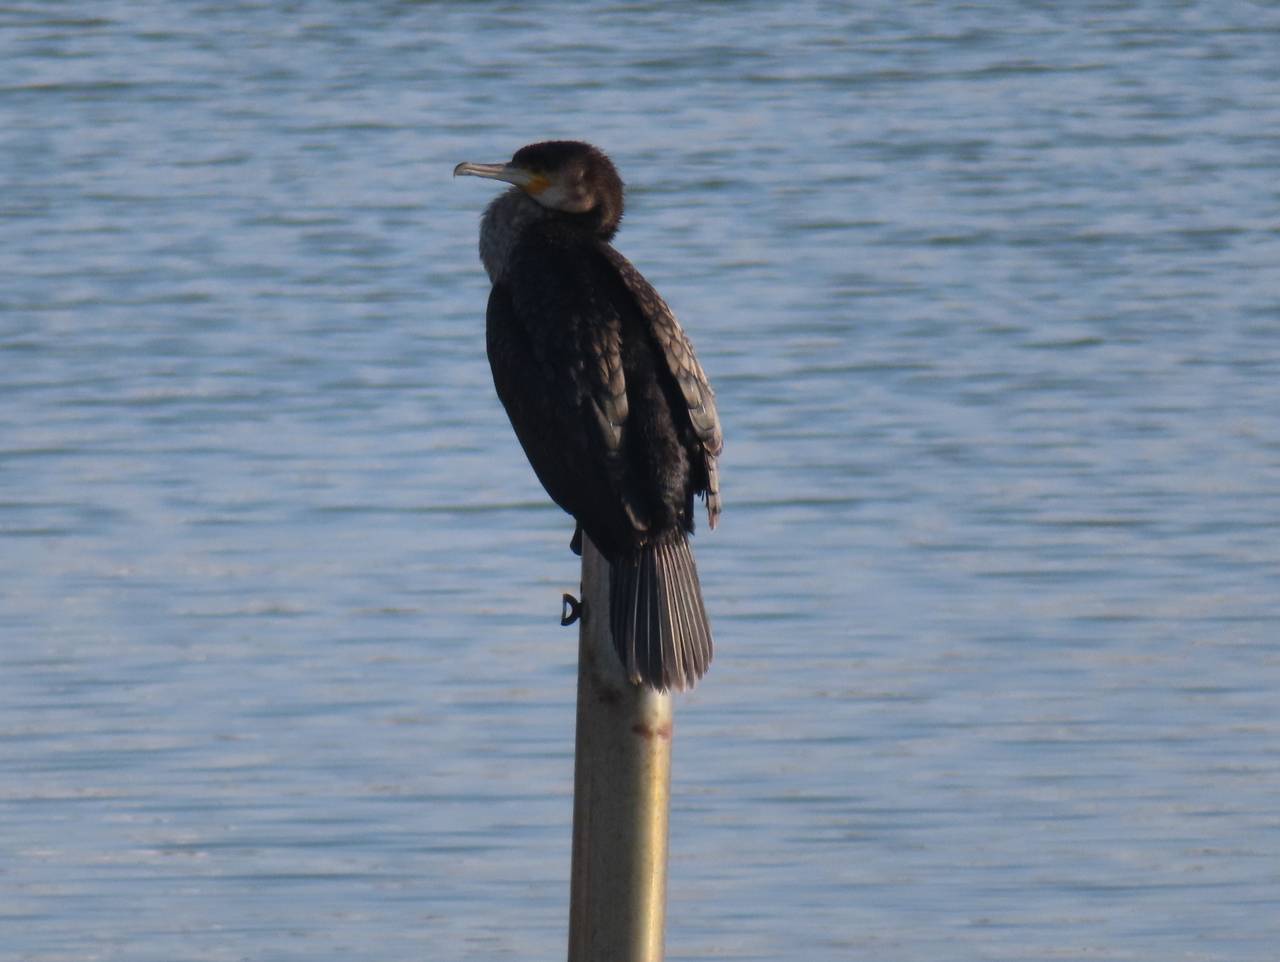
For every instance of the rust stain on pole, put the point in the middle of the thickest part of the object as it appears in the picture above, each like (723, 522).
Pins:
(621, 796)
(646, 732)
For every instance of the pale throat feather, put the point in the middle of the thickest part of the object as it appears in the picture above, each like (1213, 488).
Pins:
(503, 222)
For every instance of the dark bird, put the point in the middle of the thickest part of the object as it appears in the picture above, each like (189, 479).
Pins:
(605, 394)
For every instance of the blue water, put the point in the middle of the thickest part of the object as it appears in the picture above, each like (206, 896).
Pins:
(989, 295)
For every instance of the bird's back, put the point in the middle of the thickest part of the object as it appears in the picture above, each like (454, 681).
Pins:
(589, 391)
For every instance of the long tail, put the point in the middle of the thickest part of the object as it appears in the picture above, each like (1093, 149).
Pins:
(659, 624)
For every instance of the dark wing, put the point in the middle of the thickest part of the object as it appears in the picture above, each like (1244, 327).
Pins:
(554, 337)
(677, 351)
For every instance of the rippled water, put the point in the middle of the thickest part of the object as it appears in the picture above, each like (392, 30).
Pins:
(989, 295)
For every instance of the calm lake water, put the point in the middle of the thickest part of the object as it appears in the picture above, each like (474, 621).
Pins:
(990, 296)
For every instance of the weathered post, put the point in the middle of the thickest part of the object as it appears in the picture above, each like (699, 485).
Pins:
(621, 794)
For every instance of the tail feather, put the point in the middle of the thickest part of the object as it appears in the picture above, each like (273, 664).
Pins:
(659, 623)
(669, 627)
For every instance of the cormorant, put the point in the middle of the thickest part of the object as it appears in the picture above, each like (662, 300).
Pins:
(605, 395)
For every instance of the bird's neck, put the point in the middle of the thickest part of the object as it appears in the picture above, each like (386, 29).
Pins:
(513, 212)
(505, 219)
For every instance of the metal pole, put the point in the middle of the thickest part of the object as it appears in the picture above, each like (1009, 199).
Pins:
(621, 795)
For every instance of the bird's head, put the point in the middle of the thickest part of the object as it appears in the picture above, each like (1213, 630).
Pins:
(562, 175)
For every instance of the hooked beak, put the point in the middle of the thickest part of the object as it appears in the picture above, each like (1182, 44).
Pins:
(530, 182)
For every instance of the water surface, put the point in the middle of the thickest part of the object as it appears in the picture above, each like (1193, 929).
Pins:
(989, 297)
